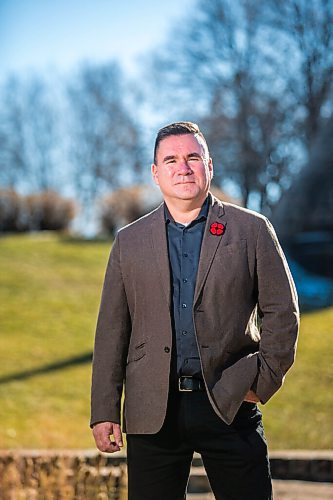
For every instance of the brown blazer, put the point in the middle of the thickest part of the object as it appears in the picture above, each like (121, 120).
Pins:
(245, 314)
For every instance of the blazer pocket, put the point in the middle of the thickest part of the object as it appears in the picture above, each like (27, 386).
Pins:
(136, 353)
(234, 247)
(234, 259)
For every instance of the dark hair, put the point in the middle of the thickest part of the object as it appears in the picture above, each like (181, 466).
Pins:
(177, 128)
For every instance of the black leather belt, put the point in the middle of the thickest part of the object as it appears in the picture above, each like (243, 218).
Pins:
(189, 384)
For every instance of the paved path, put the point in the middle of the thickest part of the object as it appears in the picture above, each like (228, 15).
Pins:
(287, 490)
(302, 490)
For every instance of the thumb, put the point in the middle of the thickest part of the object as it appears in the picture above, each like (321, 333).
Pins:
(117, 435)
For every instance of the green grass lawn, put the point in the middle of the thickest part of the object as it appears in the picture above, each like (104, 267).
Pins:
(49, 296)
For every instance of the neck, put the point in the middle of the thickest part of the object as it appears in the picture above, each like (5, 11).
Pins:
(184, 211)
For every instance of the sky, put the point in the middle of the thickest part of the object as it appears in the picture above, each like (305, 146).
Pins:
(58, 34)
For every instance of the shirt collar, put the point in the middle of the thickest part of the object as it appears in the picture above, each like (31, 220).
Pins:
(202, 214)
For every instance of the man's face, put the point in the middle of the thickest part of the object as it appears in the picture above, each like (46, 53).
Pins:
(183, 170)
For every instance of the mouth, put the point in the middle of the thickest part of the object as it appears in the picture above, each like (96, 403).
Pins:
(182, 183)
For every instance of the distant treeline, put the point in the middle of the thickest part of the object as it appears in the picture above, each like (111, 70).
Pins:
(48, 210)
(36, 212)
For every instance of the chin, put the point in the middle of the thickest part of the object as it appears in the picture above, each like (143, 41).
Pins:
(188, 190)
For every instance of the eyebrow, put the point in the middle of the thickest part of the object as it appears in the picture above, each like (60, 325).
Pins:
(170, 157)
(173, 157)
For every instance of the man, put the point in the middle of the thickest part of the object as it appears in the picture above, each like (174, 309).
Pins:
(198, 321)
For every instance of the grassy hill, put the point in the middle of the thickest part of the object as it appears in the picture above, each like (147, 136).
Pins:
(49, 295)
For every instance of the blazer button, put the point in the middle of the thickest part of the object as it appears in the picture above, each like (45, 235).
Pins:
(166, 349)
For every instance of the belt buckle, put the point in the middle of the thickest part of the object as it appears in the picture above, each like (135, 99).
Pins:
(179, 382)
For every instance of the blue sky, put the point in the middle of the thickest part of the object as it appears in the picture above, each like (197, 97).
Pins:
(58, 34)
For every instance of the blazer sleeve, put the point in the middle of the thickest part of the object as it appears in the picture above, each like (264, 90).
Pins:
(278, 309)
(111, 344)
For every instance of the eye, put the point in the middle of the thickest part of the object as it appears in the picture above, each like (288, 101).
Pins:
(170, 161)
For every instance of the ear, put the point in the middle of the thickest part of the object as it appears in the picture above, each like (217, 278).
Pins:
(210, 168)
(154, 173)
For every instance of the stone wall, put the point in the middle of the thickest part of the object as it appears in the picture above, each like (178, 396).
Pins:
(87, 474)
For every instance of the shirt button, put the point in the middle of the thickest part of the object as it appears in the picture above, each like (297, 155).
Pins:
(184, 306)
(185, 280)
(184, 332)
(166, 349)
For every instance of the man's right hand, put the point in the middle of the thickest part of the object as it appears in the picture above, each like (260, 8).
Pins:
(102, 433)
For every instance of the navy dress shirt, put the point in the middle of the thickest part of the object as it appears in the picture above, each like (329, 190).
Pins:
(184, 245)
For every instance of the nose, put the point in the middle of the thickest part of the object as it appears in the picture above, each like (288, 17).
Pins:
(184, 168)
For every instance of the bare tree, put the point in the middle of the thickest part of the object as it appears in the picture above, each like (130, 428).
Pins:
(14, 163)
(231, 69)
(41, 130)
(314, 188)
(245, 118)
(105, 142)
(27, 134)
(305, 29)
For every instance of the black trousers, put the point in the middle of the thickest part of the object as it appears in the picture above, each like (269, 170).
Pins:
(235, 456)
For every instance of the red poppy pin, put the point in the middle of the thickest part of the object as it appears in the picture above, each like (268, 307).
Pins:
(217, 228)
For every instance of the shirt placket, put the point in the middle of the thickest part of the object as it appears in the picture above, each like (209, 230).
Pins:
(185, 298)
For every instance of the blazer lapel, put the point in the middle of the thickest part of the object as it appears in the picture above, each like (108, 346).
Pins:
(160, 248)
(210, 243)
